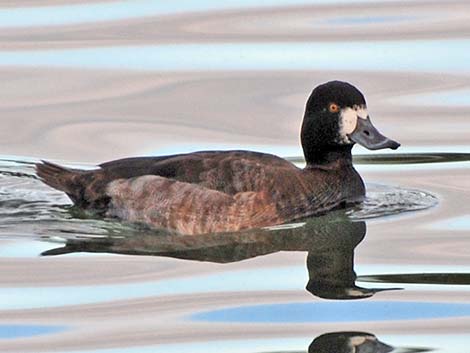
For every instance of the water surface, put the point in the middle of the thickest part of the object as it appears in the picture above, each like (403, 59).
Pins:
(90, 81)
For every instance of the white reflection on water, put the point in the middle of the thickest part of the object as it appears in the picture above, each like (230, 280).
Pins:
(417, 56)
(119, 10)
(286, 344)
(367, 20)
(269, 279)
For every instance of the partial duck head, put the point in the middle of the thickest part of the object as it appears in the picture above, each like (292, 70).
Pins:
(335, 119)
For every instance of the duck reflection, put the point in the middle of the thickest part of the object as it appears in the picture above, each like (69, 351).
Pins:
(331, 266)
(356, 342)
(329, 240)
(348, 342)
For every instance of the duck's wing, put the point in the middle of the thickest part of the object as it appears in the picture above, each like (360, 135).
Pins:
(229, 172)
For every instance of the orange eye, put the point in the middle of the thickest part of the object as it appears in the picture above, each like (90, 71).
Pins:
(333, 108)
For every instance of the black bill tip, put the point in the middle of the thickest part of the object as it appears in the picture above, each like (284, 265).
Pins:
(394, 145)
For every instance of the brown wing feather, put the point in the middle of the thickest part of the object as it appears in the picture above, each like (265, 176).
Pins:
(227, 171)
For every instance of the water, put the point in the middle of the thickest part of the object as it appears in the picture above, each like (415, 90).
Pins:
(85, 82)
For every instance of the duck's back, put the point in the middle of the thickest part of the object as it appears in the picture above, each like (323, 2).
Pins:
(226, 171)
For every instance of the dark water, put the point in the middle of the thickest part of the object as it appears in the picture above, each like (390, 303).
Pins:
(88, 81)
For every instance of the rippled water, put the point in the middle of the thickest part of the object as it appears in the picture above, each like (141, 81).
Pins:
(88, 81)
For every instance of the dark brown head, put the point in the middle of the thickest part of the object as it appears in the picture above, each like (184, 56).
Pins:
(335, 119)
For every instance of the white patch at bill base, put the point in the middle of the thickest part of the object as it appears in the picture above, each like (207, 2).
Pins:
(348, 120)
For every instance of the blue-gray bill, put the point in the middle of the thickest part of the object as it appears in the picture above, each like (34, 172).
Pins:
(368, 136)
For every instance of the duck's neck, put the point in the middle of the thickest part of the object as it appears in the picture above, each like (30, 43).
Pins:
(328, 156)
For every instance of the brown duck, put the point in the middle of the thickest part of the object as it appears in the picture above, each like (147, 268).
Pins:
(222, 191)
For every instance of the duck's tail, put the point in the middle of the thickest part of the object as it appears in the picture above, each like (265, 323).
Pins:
(60, 178)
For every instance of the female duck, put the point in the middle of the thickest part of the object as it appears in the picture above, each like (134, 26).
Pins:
(221, 191)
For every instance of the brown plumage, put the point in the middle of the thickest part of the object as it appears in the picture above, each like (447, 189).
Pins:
(219, 191)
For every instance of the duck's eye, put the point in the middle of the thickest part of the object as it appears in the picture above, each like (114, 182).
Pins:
(333, 108)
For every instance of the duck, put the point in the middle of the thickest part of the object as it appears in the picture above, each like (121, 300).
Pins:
(228, 191)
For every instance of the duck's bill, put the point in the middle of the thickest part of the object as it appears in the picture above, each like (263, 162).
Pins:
(368, 136)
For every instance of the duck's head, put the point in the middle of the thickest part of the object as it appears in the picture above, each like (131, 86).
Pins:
(335, 119)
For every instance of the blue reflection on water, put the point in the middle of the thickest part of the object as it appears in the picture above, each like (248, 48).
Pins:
(264, 279)
(419, 55)
(284, 278)
(17, 331)
(335, 312)
(457, 223)
(450, 98)
(443, 343)
(118, 10)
